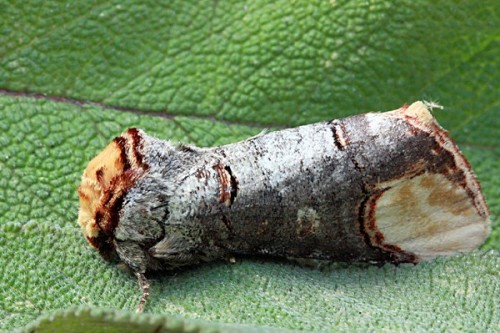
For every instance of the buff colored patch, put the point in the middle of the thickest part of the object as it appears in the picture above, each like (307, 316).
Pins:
(429, 216)
(420, 111)
(95, 180)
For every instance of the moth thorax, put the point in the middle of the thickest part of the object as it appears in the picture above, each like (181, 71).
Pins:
(105, 181)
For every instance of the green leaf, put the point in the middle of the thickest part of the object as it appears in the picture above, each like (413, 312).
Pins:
(74, 75)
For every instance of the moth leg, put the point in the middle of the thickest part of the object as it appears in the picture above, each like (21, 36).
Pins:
(144, 286)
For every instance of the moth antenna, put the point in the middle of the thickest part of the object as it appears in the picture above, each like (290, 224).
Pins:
(261, 133)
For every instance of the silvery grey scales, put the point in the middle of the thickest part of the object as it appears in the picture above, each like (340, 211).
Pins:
(377, 187)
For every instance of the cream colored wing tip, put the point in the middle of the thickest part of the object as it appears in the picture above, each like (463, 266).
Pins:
(421, 111)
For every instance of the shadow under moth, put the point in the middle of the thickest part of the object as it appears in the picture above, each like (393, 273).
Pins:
(376, 187)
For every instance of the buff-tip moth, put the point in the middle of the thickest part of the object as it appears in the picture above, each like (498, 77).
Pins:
(377, 187)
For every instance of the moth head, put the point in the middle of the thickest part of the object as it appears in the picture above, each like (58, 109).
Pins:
(105, 182)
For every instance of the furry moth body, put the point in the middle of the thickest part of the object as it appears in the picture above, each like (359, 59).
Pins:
(378, 187)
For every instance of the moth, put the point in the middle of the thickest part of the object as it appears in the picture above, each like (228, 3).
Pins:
(377, 187)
